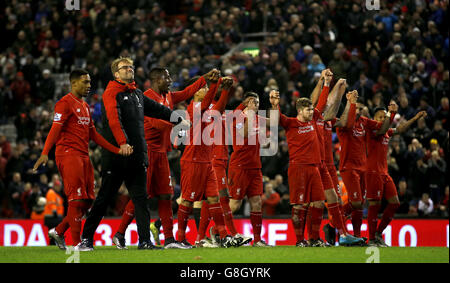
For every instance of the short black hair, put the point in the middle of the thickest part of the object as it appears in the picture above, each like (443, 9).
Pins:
(379, 108)
(76, 74)
(156, 73)
(250, 94)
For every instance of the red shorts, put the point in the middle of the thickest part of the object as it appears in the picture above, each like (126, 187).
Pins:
(159, 181)
(334, 177)
(198, 180)
(354, 181)
(77, 174)
(220, 167)
(325, 176)
(379, 186)
(245, 182)
(305, 184)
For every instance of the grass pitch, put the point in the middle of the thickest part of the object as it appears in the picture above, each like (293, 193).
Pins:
(281, 254)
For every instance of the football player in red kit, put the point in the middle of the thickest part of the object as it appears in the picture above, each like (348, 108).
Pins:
(244, 170)
(330, 189)
(379, 183)
(198, 179)
(71, 131)
(220, 163)
(157, 136)
(353, 157)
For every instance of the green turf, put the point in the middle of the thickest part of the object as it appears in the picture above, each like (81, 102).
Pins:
(232, 255)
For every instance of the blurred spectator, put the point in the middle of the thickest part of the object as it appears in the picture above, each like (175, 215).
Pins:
(270, 200)
(436, 174)
(54, 207)
(5, 146)
(20, 88)
(406, 199)
(425, 207)
(438, 132)
(15, 189)
(47, 86)
(37, 212)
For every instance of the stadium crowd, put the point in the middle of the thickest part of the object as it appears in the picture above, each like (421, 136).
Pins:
(400, 52)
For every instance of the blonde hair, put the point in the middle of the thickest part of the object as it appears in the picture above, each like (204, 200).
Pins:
(115, 63)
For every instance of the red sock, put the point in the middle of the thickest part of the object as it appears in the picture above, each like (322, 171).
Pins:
(387, 216)
(357, 216)
(63, 226)
(215, 210)
(298, 221)
(343, 217)
(127, 217)
(309, 223)
(372, 220)
(166, 216)
(347, 209)
(183, 217)
(256, 220)
(228, 215)
(316, 221)
(333, 210)
(204, 221)
(75, 214)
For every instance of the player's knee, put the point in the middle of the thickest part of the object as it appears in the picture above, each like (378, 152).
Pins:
(374, 201)
(235, 205)
(255, 203)
(213, 200)
(318, 204)
(331, 196)
(394, 200)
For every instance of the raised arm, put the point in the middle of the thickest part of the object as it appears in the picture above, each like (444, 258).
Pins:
(334, 100)
(404, 126)
(348, 118)
(325, 91)
(393, 107)
(316, 91)
(189, 92)
(227, 84)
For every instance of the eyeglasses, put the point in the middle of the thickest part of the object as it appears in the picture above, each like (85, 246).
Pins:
(126, 67)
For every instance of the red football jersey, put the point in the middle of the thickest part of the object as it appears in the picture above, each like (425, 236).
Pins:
(353, 144)
(157, 132)
(302, 138)
(377, 151)
(196, 150)
(74, 116)
(245, 154)
(328, 140)
(220, 149)
(320, 123)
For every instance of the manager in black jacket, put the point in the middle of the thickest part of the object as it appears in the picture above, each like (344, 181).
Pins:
(123, 110)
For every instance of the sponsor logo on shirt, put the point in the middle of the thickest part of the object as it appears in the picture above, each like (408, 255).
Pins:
(57, 117)
(359, 132)
(84, 120)
(305, 129)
